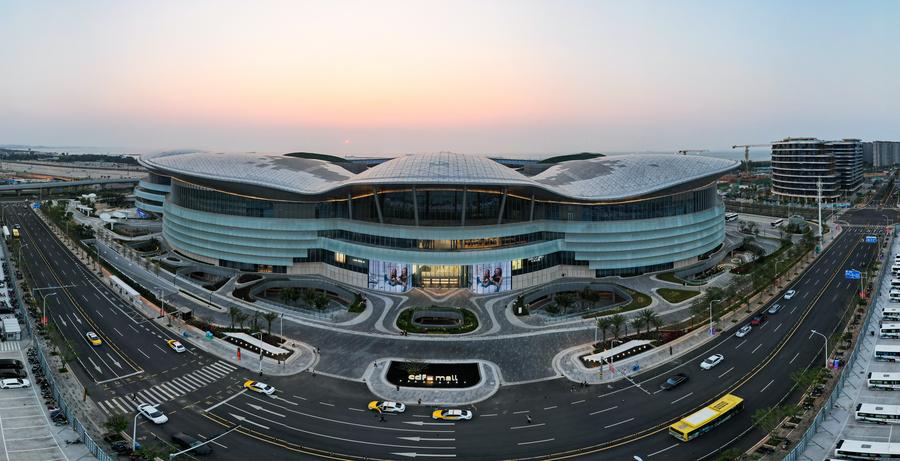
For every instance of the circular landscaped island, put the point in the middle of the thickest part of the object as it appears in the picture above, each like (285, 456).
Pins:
(437, 320)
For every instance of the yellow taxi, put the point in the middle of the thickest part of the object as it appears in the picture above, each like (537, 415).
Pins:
(176, 346)
(382, 406)
(257, 386)
(93, 338)
(449, 414)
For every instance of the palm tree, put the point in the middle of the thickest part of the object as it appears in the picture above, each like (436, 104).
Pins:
(585, 296)
(615, 324)
(233, 313)
(563, 300)
(636, 324)
(241, 318)
(255, 317)
(603, 324)
(269, 318)
(698, 308)
(285, 295)
(649, 318)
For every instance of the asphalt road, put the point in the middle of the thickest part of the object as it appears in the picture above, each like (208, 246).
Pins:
(316, 415)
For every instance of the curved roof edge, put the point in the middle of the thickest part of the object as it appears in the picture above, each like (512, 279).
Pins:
(616, 177)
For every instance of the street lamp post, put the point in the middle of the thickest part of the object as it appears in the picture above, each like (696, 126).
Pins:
(260, 333)
(44, 305)
(826, 345)
(711, 301)
(134, 432)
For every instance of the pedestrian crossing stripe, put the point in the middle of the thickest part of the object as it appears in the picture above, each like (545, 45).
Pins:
(9, 346)
(169, 390)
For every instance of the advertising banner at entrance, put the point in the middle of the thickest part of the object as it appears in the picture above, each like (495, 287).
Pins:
(387, 276)
(492, 277)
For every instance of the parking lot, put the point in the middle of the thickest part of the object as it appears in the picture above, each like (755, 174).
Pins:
(26, 432)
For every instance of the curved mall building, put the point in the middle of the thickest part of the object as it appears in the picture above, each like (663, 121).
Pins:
(437, 220)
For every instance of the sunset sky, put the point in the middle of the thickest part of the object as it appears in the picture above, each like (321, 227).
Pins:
(496, 77)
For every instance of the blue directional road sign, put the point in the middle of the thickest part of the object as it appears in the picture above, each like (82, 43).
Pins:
(871, 239)
(852, 274)
(36, 205)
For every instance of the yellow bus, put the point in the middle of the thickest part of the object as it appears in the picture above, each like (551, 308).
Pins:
(701, 421)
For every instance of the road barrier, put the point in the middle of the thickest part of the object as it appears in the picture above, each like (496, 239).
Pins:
(823, 413)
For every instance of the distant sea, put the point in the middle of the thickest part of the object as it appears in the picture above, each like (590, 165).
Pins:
(758, 154)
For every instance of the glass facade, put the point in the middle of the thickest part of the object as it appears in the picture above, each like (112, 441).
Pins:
(442, 207)
(441, 245)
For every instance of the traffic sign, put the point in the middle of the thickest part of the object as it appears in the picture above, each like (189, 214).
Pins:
(852, 274)
(36, 205)
(871, 239)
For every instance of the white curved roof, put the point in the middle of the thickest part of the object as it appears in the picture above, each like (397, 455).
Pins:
(603, 178)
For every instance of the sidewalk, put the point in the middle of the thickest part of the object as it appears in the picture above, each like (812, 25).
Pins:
(567, 362)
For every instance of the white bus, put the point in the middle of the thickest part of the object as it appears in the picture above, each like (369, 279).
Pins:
(881, 380)
(890, 330)
(887, 353)
(776, 222)
(859, 449)
(731, 217)
(878, 413)
(890, 314)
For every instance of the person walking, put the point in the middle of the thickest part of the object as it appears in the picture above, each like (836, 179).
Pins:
(528, 418)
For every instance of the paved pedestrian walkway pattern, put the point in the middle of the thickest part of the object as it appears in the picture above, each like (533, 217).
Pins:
(169, 390)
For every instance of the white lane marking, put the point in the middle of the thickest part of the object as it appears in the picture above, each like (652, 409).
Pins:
(602, 411)
(550, 408)
(142, 353)
(326, 404)
(726, 372)
(356, 409)
(576, 402)
(756, 348)
(133, 328)
(741, 344)
(535, 441)
(795, 358)
(119, 332)
(779, 326)
(767, 386)
(512, 428)
(489, 415)
(226, 400)
(521, 412)
(618, 423)
(680, 398)
(298, 397)
(664, 449)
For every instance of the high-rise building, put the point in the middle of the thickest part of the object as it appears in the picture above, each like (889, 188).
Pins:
(881, 153)
(798, 164)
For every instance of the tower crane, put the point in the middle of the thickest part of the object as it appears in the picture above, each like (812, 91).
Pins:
(687, 151)
(747, 154)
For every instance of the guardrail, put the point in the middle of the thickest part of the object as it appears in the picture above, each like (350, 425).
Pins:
(823, 413)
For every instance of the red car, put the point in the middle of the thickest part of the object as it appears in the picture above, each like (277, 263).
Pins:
(758, 319)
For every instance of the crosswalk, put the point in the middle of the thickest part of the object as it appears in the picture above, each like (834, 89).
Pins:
(169, 390)
(9, 346)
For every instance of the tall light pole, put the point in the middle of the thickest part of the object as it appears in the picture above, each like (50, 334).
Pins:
(134, 432)
(44, 306)
(711, 301)
(826, 345)
(260, 352)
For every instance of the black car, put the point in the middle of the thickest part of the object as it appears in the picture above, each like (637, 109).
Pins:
(11, 373)
(185, 441)
(673, 381)
(11, 363)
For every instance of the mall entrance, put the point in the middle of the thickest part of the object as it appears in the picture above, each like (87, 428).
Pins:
(437, 276)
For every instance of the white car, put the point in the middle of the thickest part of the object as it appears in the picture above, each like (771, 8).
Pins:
(176, 346)
(712, 361)
(150, 412)
(790, 294)
(257, 386)
(744, 331)
(14, 383)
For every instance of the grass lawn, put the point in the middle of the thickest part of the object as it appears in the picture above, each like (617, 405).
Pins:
(675, 296)
(670, 277)
(470, 321)
(638, 301)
